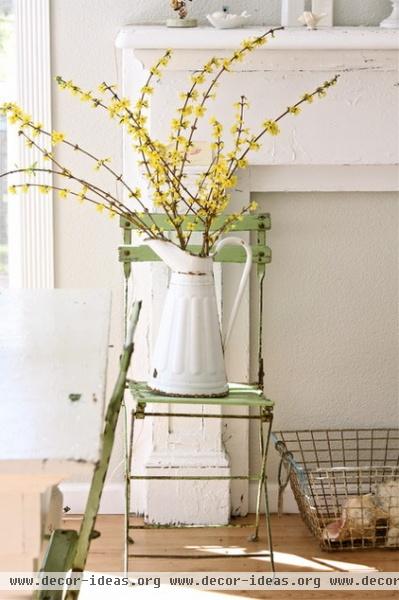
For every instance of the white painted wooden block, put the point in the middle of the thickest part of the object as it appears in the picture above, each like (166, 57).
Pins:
(53, 343)
(290, 11)
(324, 6)
(53, 510)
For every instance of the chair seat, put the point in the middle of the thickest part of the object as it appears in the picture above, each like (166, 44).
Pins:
(240, 394)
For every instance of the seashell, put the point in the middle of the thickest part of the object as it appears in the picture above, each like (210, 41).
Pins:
(222, 20)
(358, 520)
(359, 512)
(387, 497)
(310, 19)
(387, 494)
(333, 531)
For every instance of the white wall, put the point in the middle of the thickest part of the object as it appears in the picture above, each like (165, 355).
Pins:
(346, 12)
(336, 345)
(331, 310)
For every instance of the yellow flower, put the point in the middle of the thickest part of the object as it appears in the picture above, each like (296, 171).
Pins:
(271, 127)
(135, 193)
(253, 206)
(208, 67)
(198, 78)
(44, 189)
(238, 56)
(102, 87)
(199, 111)
(175, 124)
(82, 194)
(261, 41)
(85, 96)
(100, 208)
(294, 110)
(253, 145)
(147, 89)
(231, 182)
(100, 163)
(63, 193)
(12, 189)
(164, 61)
(124, 103)
(191, 226)
(140, 104)
(36, 129)
(25, 120)
(111, 214)
(57, 137)
(247, 44)
(242, 163)
(308, 98)
(25, 188)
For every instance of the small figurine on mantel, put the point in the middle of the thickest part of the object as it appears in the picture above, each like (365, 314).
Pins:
(307, 12)
(180, 6)
(310, 19)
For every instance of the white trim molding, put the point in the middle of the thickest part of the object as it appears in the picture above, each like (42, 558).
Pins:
(31, 219)
(113, 502)
(75, 498)
(156, 37)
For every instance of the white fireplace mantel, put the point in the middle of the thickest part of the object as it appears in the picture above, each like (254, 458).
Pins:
(204, 38)
(345, 142)
(355, 148)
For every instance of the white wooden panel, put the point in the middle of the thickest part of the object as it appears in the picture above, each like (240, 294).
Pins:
(53, 343)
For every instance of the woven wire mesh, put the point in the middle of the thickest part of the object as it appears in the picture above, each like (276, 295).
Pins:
(341, 482)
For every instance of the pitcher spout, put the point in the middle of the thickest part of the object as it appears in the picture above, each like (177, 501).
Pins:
(180, 261)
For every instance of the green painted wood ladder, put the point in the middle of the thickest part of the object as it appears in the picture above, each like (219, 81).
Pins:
(251, 396)
(68, 549)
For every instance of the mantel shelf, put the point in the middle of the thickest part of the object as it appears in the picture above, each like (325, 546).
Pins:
(153, 37)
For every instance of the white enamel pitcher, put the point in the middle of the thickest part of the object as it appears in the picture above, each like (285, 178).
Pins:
(188, 355)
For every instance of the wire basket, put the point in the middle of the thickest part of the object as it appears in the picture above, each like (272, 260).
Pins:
(346, 484)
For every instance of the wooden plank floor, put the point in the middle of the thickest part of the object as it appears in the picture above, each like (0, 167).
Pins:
(295, 550)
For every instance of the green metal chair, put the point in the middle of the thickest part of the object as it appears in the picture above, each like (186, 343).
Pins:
(68, 549)
(240, 395)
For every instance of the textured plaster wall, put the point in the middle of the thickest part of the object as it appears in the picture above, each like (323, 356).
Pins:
(346, 12)
(331, 311)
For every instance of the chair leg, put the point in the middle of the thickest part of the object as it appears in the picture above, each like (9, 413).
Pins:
(128, 489)
(255, 536)
(262, 487)
(267, 508)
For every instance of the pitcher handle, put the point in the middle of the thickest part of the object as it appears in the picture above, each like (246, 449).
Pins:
(235, 241)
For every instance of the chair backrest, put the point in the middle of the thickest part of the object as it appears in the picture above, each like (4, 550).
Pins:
(235, 254)
(258, 225)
